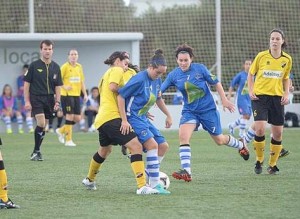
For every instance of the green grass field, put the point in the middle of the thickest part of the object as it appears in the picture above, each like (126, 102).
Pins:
(223, 186)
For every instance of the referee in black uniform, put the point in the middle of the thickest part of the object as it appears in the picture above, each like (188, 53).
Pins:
(41, 82)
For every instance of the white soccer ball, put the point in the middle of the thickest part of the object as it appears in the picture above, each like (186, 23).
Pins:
(164, 180)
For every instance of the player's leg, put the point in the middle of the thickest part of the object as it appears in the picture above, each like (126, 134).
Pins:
(19, 121)
(5, 202)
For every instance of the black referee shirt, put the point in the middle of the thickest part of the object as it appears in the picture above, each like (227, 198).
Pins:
(43, 78)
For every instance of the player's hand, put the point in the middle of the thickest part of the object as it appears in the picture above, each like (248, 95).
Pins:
(285, 99)
(253, 96)
(85, 98)
(56, 106)
(228, 105)
(125, 128)
(28, 106)
(150, 116)
(68, 87)
(169, 122)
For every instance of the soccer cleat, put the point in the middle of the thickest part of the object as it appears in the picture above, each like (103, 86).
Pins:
(272, 170)
(89, 184)
(61, 137)
(21, 131)
(244, 152)
(161, 190)
(283, 153)
(182, 174)
(146, 190)
(8, 205)
(31, 130)
(9, 131)
(70, 143)
(258, 168)
(231, 130)
(36, 156)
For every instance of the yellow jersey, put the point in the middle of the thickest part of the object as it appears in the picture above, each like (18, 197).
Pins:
(73, 76)
(108, 109)
(270, 72)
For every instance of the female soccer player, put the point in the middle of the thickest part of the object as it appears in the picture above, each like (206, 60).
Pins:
(242, 99)
(73, 80)
(134, 100)
(269, 93)
(193, 80)
(108, 122)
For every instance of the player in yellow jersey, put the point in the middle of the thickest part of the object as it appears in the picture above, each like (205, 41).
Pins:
(268, 83)
(73, 80)
(5, 202)
(108, 123)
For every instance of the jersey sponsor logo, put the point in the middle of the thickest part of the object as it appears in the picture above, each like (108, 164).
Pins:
(74, 79)
(149, 104)
(193, 92)
(40, 70)
(272, 74)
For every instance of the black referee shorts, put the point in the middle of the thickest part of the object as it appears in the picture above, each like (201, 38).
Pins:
(268, 108)
(70, 104)
(110, 134)
(42, 104)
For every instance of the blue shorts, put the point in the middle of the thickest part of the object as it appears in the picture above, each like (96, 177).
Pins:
(244, 107)
(145, 130)
(210, 121)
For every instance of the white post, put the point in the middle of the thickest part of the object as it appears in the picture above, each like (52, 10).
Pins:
(218, 39)
(31, 15)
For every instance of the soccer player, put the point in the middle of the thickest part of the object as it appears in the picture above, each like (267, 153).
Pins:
(41, 82)
(134, 101)
(5, 202)
(9, 109)
(242, 99)
(108, 123)
(73, 80)
(193, 80)
(269, 93)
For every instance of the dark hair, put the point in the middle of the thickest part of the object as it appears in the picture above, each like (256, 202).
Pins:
(158, 59)
(184, 48)
(26, 66)
(277, 30)
(118, 54)
(134, 67)
(47, 42)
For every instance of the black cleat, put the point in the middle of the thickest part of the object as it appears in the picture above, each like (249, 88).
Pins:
(272, 170)
(244, 152)
(258, 168)
(36, 156)
(8, 205)
(283, 153)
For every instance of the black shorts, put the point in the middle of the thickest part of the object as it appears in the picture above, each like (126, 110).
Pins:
(42, 104)
(70, 104)
(110, 134)
(268, 108)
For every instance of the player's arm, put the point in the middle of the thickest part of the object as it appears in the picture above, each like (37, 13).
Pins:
(285, 97)
(225, 102)
(57, 98)
(162, 106)
(26, 95)
(83, 90)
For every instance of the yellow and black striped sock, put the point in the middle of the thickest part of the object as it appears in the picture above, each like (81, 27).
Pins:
(3, 182)
(259, 148)
(95, 165)
(138, 168)
(275, 148)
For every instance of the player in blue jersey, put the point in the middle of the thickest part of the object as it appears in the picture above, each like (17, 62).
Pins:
(193, 81)
(135, 99)
(242, 99)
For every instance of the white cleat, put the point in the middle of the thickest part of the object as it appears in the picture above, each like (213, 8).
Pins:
(88, 184)
(146, 190)
(61, 137)
(70, 143)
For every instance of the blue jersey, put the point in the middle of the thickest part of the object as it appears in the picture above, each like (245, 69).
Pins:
(242, 94)
(140, 94)
(194, 86)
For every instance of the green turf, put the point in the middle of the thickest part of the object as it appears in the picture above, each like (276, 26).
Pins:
(223, 186)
